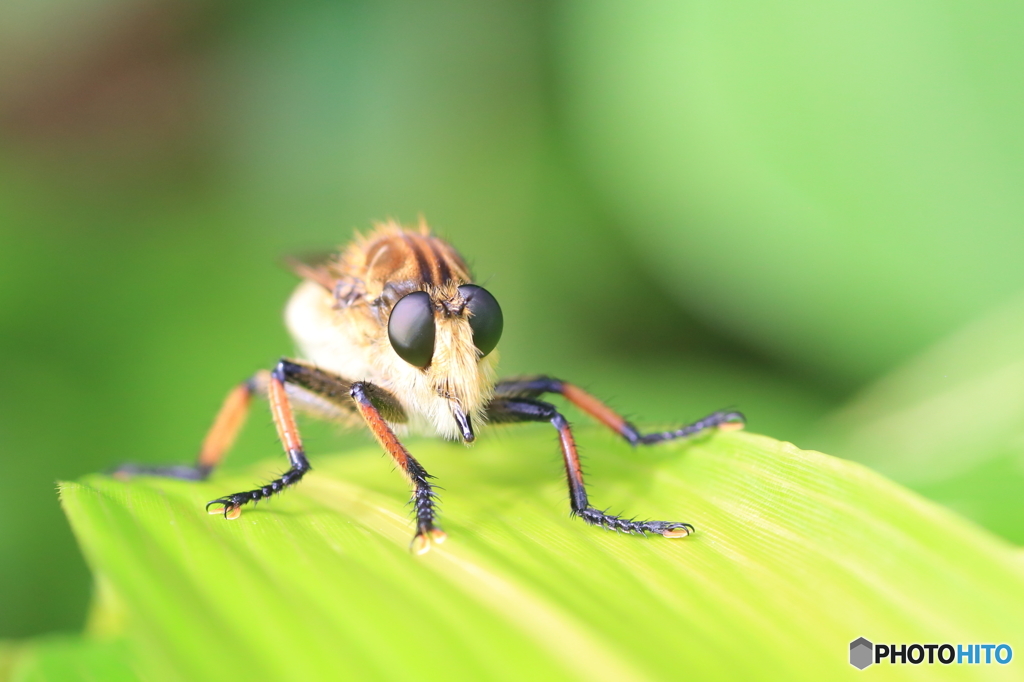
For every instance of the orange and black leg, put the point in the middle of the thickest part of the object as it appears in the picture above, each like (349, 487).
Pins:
(537, 386)
(511, 410)
(375, 404)
(218, 441)
(377, 407)
(288, 432)
(314, 391)
(319, 393)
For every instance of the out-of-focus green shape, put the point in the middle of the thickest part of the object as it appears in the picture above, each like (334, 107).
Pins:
(950, 423)
(66, 659)
(835, 183)
(796, 554)
(10, 653)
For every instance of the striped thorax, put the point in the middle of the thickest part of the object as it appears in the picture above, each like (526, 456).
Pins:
(398, 308)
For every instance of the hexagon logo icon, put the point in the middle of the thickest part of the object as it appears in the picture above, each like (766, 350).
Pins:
(861, 653)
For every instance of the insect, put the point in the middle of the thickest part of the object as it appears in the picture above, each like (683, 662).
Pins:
(394, 334)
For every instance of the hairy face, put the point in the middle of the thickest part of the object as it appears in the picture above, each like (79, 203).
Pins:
(445, 337)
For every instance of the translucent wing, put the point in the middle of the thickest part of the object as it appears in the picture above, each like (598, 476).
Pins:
(321, 267)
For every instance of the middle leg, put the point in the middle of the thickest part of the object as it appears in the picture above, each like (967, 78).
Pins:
(535, 387)
(288, 432)
(326, 394)
(510, 410)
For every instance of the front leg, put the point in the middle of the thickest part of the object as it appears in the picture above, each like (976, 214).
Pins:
(537, 386)
(510, 410)
(372, 401)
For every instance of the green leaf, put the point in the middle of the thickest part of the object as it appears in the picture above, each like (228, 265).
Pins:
(65, 659)
(796, 554)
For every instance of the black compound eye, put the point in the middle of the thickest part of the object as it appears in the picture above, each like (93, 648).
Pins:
(486, 320)
(411, 328)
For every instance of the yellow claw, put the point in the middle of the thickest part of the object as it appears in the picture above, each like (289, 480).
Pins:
(730, 426)
(229, 512)
(422, 543)
(676, 533)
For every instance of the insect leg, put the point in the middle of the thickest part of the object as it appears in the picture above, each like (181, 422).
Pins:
(373, 404)
(510, 410)
(219, 438)
(538, 386)
(288, 432)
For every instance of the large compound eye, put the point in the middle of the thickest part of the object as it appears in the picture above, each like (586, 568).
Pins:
(486, 319)
(411, 328)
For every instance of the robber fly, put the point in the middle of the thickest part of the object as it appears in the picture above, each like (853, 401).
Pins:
(395, 334)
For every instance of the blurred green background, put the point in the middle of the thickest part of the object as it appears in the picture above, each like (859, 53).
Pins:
(811, 212)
